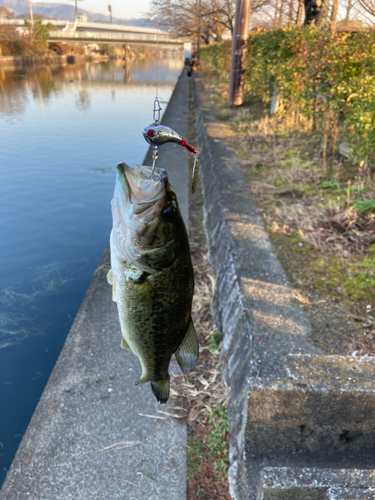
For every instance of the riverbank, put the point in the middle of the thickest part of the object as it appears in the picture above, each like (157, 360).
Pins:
(55, 60)
(289, 402)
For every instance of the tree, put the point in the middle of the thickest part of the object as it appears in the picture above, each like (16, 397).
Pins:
(206, 19)
(368, 6)
(335, 8)
(316, 11)
(6, 13)
(39, 32)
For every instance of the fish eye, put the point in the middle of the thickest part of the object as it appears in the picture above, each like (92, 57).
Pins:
(168, 213)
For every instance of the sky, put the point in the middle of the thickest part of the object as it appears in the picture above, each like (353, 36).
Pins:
(125, 9)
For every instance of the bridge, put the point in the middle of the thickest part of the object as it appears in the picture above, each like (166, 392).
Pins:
(85, 32)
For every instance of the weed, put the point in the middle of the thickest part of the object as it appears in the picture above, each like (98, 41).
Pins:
(330, 185)
(365, 206)
(195, 457)
(217, 338)
(218, 440)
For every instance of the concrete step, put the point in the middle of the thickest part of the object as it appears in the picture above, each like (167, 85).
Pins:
(284, 483)
(326, 391)
(322, 414)
(344, 369)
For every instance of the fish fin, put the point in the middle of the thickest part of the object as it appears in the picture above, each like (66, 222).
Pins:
(188, 352)
(124, 344)
(114, 298)
(110, 277)
(160, 390)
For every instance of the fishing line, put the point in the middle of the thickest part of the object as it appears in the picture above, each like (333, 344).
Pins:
(157, 134)
(157, 60)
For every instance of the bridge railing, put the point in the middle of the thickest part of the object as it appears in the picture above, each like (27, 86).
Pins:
(107, 36)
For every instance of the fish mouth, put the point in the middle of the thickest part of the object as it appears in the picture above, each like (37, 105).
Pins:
(140, 187)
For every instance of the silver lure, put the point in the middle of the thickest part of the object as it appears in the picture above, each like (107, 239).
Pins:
(157, 134)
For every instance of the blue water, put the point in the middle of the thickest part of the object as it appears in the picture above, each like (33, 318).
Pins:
(62, 133)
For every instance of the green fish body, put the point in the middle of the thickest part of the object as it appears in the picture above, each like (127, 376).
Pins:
(152, 276)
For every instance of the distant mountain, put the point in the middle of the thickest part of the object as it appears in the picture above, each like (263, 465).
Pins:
(65, 11)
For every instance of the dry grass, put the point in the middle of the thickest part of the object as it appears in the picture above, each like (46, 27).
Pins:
(325, 244)
(197, 394)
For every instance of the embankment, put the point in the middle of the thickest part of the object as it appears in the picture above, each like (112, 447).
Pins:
(55, 60)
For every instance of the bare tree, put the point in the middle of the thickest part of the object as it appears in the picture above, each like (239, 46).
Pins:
(335, 8)
(186, 18)
(300, 13)
(291, 12)
(349, 7)
(368, 6)
(206, 19)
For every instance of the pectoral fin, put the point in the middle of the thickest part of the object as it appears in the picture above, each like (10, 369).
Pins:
(188, 352)
(114, 298)
(124, 344)
(110, 277)
(111, 280)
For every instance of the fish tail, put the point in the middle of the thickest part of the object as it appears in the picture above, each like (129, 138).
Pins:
(160, 390)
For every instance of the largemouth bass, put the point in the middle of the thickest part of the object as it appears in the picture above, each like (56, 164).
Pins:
(151, 275)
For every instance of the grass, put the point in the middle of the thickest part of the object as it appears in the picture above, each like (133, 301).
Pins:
(321, 219)
(217, 442)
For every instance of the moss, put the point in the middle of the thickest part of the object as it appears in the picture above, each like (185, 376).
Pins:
(350, 280)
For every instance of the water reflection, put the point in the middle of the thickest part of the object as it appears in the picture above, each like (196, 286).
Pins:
(83, 100)
(18, 86)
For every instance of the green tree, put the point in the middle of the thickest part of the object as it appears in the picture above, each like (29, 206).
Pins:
(39, 32)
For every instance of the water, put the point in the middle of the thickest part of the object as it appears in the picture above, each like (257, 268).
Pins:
(62, 133)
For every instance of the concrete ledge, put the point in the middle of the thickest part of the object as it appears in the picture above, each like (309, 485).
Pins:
(24, 61)
(316, 484)
(323, 391)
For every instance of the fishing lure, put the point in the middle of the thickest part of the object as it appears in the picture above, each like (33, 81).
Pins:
(157, 135)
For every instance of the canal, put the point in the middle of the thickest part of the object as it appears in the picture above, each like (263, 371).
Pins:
(63, 130)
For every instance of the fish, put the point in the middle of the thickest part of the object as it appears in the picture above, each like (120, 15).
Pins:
(151, 275)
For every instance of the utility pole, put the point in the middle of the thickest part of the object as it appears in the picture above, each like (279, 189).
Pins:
(76, 12)
(110, 12)
(31, 15)
(239, 49)
(199, 31)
